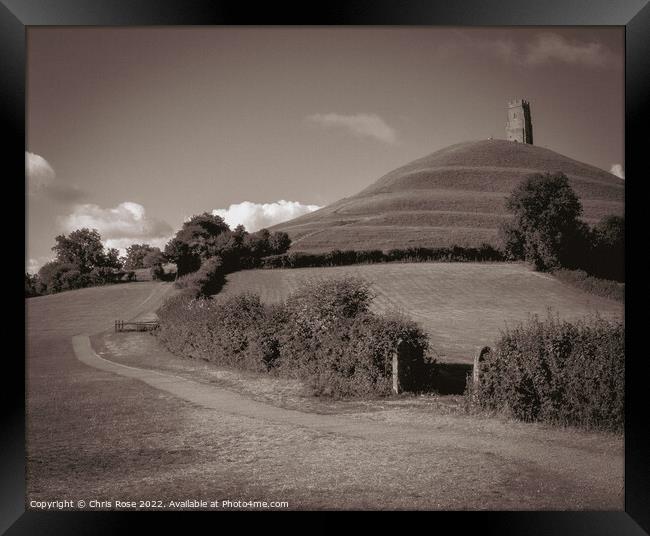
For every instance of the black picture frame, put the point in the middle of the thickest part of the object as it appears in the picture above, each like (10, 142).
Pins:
(17, 15)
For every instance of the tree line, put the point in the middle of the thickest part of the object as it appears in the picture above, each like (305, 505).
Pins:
(81, 260)
(545, 230)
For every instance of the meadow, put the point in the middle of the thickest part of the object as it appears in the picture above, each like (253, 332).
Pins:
(461, 305)
(94, 433)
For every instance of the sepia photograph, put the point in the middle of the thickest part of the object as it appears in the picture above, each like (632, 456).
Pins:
(325, 268)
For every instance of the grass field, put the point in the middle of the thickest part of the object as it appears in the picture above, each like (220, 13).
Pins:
(461, 305)
(453, 195)
(94, 434)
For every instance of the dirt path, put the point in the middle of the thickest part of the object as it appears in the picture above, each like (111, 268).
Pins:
(105, 429)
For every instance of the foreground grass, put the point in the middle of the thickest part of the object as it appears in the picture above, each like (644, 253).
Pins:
(97, 435)
(461, 305)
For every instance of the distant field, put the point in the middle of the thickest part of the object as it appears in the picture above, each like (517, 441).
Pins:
(461, 305)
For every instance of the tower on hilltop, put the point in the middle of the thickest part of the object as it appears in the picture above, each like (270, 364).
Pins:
(519, 126)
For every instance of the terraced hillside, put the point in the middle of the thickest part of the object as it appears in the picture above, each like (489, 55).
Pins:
(454, 196)
(460, 305)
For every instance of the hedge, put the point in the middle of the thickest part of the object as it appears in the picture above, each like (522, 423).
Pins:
(323, 334)
(561, 372)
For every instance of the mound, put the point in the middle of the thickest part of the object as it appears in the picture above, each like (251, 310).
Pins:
(454, 196)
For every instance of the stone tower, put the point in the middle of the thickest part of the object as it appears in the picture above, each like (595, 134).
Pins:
(519, 126)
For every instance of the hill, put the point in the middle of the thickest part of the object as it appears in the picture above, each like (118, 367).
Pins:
(460, 305)
(454, 196)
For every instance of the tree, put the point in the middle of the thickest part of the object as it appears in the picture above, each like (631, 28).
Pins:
(154, 257)
(82, 248)
(279, 242)
(33, 285)
(545, 230)
(135, 255)
(53, 275)
(609, 248)
(112, 259)
(195, 242)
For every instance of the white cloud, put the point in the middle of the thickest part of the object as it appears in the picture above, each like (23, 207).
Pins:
(41, 181)
(38, 172)
(549, 47)
(256, 216)
(362, 125)
(617, 169)
(119, 227)
(33, 265)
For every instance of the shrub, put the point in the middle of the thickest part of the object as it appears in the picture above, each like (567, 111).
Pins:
(594, 285)
(207, 280)
(353, 357)
(558, 372)
(298, 259)
(157, 272)
(323, 334)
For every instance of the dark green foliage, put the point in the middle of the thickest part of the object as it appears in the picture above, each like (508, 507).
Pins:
(53, 276)
(545, 230)
(83, 248)
(205, 236)
(297, 259)
(33, 285)
(207, 280)
(153, 257)
(157, 272)
(609, 249)
(323, 334)
(81, 261)
(606, 288)
(569, 373)
(135, 256)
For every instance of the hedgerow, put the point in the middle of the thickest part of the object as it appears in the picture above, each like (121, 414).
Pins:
(323, 334)
(594, 285)
(207, 280)
(298, 259)
(560, 372)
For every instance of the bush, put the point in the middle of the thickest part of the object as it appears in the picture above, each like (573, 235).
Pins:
(297, 259)
(558, 372)
(157, 272)
(207, 280)
(323, 334)
(594, 285)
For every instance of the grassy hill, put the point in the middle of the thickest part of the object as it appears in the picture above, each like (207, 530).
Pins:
(454, 196)
(461, 305)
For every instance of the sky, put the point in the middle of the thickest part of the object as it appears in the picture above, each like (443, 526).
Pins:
(133, 130)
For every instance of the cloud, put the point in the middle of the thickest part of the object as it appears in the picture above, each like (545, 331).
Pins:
(550, 47)
(38, 172)
(362, 125)
(34, 264)
(256, 216)
(119, 227)
(41, 181)
(542, 48)
(617, 169)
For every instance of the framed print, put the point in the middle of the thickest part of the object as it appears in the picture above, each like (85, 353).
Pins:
(356, 257)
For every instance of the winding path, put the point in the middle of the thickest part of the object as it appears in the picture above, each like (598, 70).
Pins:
(361, 460)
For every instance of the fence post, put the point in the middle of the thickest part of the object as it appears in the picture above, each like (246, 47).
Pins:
(478, 359)
(400, 367)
